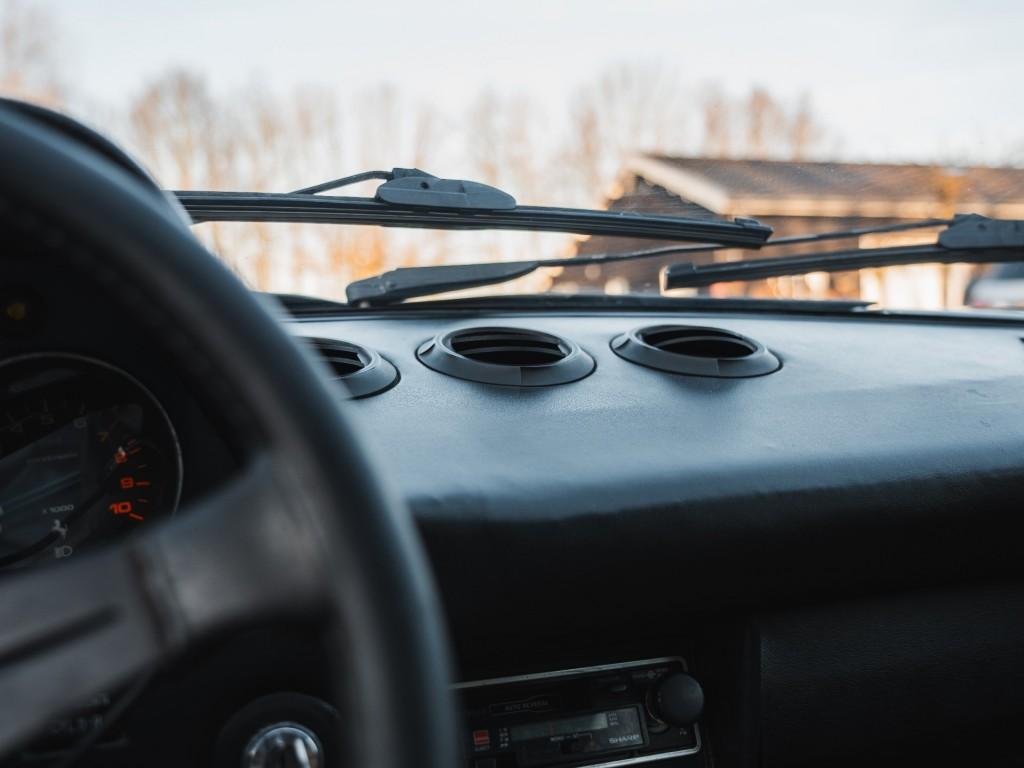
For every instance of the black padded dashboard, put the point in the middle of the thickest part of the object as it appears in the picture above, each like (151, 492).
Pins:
(824, 543)
(835, 545)
(884, 454)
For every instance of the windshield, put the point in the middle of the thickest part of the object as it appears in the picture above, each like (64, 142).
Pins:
(808, 117)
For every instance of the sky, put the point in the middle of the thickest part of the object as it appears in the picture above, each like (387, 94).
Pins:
(918, 80)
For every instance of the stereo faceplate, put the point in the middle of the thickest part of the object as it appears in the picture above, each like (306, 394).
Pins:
(600, 717)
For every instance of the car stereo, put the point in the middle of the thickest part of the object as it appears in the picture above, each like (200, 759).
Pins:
(611, 715)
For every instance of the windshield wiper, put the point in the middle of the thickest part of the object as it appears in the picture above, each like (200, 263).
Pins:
(969, 238)
(412, 198)
(411, 282)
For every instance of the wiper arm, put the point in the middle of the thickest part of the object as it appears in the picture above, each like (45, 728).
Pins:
(412, 198)
(969, 238)
(411, 282)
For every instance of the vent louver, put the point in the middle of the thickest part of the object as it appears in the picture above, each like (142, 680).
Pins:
(696, 351)
(509, 356)
(363, 371)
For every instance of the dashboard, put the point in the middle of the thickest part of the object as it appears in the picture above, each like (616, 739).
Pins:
(817, 518)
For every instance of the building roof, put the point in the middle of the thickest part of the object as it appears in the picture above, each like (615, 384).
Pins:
(781, 188)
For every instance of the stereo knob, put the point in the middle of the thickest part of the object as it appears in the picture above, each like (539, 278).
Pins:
(676, 699)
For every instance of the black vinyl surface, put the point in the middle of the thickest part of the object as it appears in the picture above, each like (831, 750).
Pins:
(839, 540)
(883, 454)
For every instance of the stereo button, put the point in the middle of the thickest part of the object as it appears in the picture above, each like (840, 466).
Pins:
(482, 738)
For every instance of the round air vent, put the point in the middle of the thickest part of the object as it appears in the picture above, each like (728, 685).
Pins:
(510, 356)
(363, 371)
(696, 351)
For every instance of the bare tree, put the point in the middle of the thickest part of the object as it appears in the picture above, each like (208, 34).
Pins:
(766, 124)
(192, 140)
(483, 141)
(178, 128)
(378, 116)
(768, 128)
(805, 134)
(28, 61)
(627, 109)
(717, 124)
(586, 148)
(427, 137)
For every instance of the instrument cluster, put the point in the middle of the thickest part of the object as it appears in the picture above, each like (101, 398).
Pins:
(87, 454)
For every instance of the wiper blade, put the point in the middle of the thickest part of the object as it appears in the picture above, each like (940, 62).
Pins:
(969, 238)
(269, 206)
(413, 198)
(411, 282)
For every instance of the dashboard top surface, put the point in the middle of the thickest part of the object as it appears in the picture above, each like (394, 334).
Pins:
(883, 455)
(856, 405)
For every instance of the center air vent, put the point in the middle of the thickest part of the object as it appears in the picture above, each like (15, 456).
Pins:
(363, 371)
(511, 356)
(696, 351)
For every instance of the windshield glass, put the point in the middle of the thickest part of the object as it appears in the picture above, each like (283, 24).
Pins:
(808, 117)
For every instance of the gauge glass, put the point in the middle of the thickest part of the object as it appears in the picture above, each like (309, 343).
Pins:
(87, 455)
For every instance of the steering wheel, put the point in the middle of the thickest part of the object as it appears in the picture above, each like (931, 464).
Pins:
(307, 528)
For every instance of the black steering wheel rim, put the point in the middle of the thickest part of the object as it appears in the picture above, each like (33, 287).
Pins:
(392, 665)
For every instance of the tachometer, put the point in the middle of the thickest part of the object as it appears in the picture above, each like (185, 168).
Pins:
(86, 454)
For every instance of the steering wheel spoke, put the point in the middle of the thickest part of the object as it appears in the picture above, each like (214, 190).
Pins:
(68, 632)
(250, 551)
(86, 625)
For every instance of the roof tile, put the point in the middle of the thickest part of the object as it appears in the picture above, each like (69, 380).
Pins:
(855, 181)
